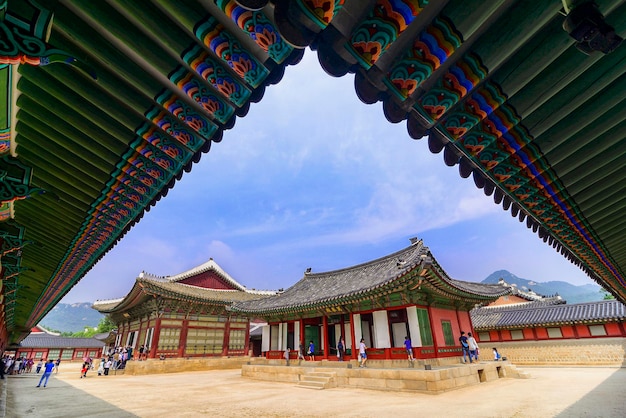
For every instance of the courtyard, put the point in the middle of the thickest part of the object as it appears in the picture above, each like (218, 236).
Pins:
(550, 392)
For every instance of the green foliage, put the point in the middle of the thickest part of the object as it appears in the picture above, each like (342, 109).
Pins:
(606, 295)
(106, 325)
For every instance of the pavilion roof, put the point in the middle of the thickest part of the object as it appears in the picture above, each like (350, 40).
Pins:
(532, 113)
(148, 287)
(536, 314)
(353, 283)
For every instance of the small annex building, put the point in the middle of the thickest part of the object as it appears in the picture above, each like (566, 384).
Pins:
(183, 315)
(44, 344)
(406, 293)
(531, 329)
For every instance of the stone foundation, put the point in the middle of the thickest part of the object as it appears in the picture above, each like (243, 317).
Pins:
(582, 352)
(155, 366)
(437, 380)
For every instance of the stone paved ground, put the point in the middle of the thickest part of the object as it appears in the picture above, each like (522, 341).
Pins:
(550, 392)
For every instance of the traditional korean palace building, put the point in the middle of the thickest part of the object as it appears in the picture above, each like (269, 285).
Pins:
(183, 315)
(382, 301)
(546, 320)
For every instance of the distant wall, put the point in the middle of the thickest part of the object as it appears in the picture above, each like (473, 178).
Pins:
(570, 352)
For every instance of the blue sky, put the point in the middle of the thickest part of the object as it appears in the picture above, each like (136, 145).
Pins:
(312, 177)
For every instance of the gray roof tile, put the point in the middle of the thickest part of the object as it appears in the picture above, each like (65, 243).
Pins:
(531, 314)
(316, 288)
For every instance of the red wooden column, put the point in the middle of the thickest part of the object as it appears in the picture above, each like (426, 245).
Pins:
(302, 342)
(246, 347)
(226, 337)
(432, 330)
(155, 338)
(325, 335)
(182, 341)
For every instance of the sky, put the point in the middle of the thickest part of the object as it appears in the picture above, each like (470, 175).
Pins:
(312, 177)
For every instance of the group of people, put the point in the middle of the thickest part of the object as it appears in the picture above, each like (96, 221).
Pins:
(116, 358)
(469, 347)
(14, 366)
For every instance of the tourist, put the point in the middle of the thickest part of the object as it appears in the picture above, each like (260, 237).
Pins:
(311, 351)
(409, 349)
(107, 366)
(496, 355)
(39, 366)
(83, 370)
(362, 352)
(473, 346)
(56, 365)
(301, 352)
(101, 367)
(465, 347)
(50, 365)
(286, 355)
(341, 348)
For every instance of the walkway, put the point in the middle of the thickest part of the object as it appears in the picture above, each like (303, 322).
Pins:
(550, 392)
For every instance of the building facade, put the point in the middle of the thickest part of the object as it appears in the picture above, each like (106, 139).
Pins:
(382, 301)
(183, 315)
(43, 344)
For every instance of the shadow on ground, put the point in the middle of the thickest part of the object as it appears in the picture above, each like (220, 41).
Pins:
(602, 401)
(58, 399)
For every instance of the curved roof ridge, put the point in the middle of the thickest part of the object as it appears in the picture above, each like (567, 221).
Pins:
(108, 301)
(416, 250)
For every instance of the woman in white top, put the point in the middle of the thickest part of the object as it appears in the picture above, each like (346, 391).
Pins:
(362, 353)
(473, 346)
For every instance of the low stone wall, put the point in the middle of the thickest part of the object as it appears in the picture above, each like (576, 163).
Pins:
(582, 352)
(433, 381)
(155, 366)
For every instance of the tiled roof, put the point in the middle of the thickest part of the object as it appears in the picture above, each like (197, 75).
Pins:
(52, 341)
(531, 315)
(203, 294)
(208, 266)
(321, 288)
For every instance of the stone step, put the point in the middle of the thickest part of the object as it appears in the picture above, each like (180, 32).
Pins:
(311, 385)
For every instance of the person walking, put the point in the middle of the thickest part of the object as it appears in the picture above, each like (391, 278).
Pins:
(311, 351)
(56, 365)
(473, 346)
(409, 350)
(465, 347)
(362, 352)
(341, 348)
(39, 366)
(287, 354)
(46, 373)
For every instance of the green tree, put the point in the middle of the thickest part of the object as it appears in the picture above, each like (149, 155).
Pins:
(606, 295)
(106, 325)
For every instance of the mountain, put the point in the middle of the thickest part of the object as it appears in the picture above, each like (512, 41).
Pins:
(571, 293)
(72, 317)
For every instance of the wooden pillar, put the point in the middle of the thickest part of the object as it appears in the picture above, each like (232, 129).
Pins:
(432, 330)
(155, 338)
(325, 335)
(246, 347)
(622, 328)
(226, 341)
(182, 341)
(302, 341)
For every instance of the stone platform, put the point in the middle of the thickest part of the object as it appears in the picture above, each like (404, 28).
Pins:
(386, 375)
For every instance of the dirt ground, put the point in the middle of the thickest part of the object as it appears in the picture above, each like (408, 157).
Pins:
(550, 392)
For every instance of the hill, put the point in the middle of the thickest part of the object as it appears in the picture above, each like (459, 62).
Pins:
(72, 317)
(571, 293)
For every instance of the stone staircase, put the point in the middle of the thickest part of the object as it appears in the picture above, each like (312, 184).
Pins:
(318, 380)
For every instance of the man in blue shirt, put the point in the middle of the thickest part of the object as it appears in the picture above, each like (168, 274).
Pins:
(46, 374)
(465, 347)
